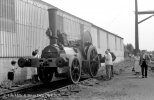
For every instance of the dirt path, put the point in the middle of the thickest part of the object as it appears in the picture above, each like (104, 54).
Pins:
(125, 86)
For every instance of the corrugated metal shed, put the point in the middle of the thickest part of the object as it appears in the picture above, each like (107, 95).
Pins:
(29, 22)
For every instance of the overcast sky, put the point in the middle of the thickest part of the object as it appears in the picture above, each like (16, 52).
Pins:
(116, 16)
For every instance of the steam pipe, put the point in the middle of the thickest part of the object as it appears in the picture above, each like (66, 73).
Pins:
(53, 25)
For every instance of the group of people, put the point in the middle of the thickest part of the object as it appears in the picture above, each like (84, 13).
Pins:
(109, 58)
(141, 62)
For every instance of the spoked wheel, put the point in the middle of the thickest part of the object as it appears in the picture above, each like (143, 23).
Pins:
(75, 71)
(94, 63)
(45, 74)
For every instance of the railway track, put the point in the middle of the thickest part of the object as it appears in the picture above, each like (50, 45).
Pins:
(40, 91)
(19, 89)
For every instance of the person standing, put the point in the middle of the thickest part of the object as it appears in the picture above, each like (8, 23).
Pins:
(10, 74)
(108, 63)
(35, 54)
(144, 60)
(113, 59)
(137, 67)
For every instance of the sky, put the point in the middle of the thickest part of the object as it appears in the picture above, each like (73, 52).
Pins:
(116, 16)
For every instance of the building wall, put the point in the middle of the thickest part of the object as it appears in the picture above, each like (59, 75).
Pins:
(23, 24)
(71, 28)
(28, 32)
(71, 25)
(103, 42)
(94, 36)
(120, 49)
(32, 23)
(111, 42)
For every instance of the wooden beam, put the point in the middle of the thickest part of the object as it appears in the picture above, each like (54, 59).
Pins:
(146, 12)
(136, 29)
(145, 19)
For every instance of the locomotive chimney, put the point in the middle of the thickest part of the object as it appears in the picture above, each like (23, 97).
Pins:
(53, 25)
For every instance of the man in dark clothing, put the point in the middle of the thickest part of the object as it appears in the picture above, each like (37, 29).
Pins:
(144, 60)
(113, 59)
(10, 74)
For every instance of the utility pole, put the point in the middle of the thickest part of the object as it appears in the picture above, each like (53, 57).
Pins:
(136, 28)
(136, 23)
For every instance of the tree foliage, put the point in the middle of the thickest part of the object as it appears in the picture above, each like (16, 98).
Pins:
(130, 48)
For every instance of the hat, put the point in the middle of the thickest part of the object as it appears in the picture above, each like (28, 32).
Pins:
(108, 50)
(35, 52)
(13, 62)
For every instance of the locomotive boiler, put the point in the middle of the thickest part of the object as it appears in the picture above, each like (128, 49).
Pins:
(68, 59)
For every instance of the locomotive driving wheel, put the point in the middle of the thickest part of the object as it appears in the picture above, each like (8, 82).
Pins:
(74, 71)
(45, 74)
(94, 63)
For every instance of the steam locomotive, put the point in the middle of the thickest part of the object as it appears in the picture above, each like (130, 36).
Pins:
(62, 58)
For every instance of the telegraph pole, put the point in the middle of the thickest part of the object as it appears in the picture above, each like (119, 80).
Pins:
(136, 23)
(136, 28)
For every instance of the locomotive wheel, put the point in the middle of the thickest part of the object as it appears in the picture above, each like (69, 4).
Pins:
(94, 63)
(74, 71)
(45, 74)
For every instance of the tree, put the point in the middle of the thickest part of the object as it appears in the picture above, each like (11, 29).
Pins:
(153, 53)
(128, 49)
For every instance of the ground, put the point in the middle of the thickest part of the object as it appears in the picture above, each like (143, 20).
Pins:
(125, 86)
